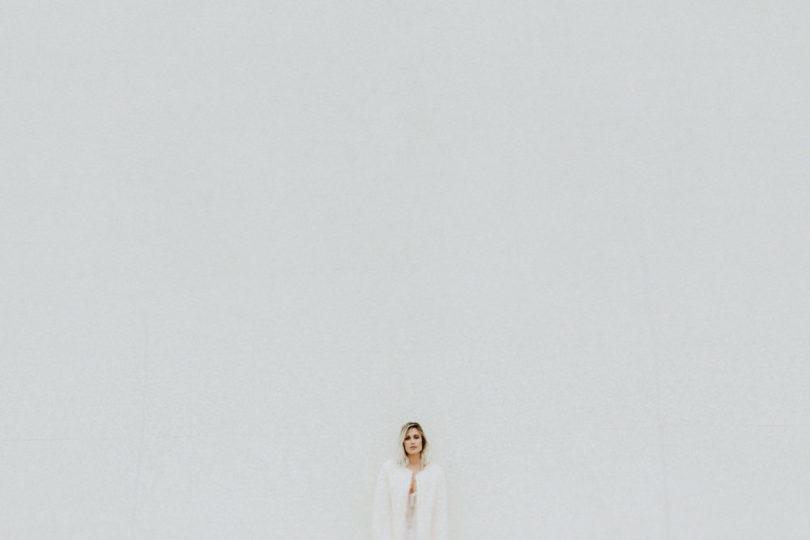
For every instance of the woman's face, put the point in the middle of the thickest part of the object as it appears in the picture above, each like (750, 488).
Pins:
(413, 441)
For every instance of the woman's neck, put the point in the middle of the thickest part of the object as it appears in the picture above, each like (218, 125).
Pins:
(414, 461)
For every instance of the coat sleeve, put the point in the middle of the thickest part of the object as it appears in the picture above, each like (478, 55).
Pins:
(381, 528)
(439, 519)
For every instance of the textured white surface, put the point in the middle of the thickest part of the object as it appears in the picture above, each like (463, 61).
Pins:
(243, 242)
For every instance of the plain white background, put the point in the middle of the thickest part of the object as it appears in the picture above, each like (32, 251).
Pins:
(243, 242)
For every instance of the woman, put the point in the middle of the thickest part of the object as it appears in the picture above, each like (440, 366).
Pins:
(410, 502)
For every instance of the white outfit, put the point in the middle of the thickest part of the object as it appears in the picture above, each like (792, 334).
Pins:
(410, 518)
(400, 515)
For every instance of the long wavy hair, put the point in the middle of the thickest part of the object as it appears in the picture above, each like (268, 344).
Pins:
(402, 456)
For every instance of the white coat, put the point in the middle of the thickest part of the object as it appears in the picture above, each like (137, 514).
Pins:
(391, 503)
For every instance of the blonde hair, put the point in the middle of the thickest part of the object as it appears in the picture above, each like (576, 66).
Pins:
(402, 456)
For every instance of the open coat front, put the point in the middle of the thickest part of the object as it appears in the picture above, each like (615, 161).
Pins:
(391, 503)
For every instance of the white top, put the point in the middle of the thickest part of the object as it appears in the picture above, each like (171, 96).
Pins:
(393, 503)
(409, 519)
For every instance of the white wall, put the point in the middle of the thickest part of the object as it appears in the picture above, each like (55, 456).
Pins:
(243, 242)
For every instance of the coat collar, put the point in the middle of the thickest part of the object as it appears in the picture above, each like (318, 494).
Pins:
(405, 469)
